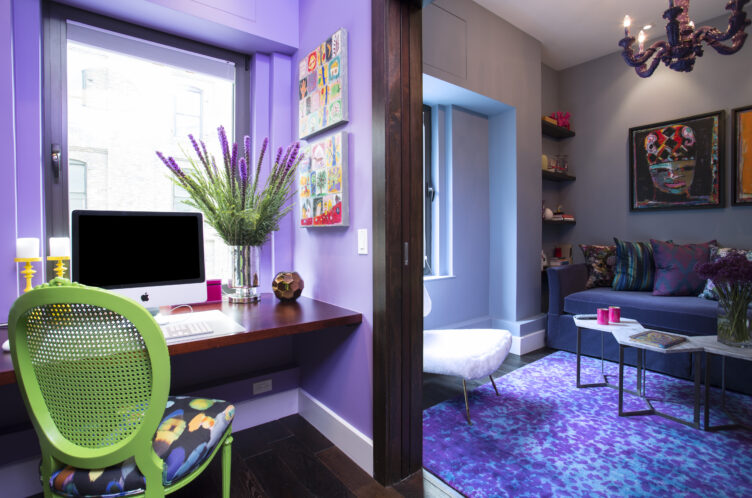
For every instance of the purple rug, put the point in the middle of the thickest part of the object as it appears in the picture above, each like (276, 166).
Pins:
(542, 436)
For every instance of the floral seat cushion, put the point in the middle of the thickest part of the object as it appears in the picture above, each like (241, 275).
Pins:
(187, 435)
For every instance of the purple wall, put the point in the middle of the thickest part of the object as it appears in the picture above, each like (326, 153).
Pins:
(337, 369)
(7, 164)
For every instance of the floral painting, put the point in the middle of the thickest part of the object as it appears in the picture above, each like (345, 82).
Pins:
(677, 164)
(322, 86)
(322, 183)
(743, 155)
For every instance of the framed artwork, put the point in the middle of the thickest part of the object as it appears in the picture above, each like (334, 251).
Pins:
(322, 183)
(742, 156)
(677, 164)
(322, 86)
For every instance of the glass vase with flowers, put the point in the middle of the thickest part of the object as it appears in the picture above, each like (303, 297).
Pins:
(243, 208)
(732, 280)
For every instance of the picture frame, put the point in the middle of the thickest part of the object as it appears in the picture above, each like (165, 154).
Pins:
(677, 164)
(323, 86)
(322, 183)
(742, 156)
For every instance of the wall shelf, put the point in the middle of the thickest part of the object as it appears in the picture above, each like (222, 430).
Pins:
(558, 177)
(560, 222)
(553, 131)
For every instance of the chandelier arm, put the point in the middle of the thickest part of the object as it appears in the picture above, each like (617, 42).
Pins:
(737, 42)
(658, 49)
(645, 70)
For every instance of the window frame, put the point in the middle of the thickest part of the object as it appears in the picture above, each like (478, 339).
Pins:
(429, 193)
(55, 96)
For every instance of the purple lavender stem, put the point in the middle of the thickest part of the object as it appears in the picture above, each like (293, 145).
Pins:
(279, 157)
(234, 166)
(243, 171)
(247, 149)
(204, 160)
(225, 149)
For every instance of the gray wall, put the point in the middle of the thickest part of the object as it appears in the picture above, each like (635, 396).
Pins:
(606, 98)
(468, 46)
(461, 298)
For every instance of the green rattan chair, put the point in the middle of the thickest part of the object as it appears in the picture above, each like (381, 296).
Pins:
(94, 372)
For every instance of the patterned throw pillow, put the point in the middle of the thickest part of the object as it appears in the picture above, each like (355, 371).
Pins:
(717, 253)
(634, 270)
(600, 262)
(675, 273)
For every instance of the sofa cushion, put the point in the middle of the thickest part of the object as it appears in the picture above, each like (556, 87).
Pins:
(717, 253)
(682, 314)
(675, 273)
(600, 261)
(635, 268)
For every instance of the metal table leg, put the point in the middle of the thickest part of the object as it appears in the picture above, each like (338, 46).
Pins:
(735, 423)
(595, 384)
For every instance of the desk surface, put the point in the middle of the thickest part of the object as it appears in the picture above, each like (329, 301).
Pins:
(263, 320)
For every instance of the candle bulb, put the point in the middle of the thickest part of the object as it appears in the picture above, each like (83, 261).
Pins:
(641, 39)
(60, 247)
(27, 247)
(627, 22)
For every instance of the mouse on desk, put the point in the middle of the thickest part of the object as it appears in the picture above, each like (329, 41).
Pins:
(6, 346)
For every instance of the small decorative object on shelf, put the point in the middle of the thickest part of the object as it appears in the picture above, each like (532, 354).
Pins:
(242, 211)
(287, 285)
(732, 280)
(27, 252)
(562, 119)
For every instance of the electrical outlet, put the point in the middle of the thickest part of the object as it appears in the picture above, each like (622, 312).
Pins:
(262, 387)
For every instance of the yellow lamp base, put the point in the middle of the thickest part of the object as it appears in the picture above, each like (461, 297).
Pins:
(28, 271)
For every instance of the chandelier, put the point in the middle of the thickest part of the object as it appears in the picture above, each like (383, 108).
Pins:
(685, 41)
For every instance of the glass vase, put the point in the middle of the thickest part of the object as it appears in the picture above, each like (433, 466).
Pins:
(735, 324)
(245, 274)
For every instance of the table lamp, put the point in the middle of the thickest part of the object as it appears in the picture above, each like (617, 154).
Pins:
(59, 251)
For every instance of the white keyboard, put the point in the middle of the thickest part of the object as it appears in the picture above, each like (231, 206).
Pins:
(185, 330)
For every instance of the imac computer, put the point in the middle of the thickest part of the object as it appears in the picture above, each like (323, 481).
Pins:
(155, 258)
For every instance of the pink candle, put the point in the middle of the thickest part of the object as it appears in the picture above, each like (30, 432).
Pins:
(614, 314)
(602, 316)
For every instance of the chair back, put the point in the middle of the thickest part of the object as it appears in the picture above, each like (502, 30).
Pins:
(93, 369)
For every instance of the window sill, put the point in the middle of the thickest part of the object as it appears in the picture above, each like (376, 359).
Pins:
(431, 278)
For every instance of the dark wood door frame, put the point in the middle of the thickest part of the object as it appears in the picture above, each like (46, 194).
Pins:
(397, 239)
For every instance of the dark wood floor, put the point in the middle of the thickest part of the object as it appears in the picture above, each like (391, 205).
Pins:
(290, 458)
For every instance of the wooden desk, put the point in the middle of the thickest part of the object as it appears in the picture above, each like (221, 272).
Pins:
(263, 320)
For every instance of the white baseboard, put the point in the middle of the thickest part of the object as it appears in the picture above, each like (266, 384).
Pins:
(527, 343)
(347, 438)
(265, 409)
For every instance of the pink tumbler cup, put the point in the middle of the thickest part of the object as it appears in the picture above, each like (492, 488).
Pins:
(603, 316)
(614, 314)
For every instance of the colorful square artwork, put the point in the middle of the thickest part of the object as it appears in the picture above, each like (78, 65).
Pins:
(677, 164)
(743, 155)
(322, 183)
(322, 80)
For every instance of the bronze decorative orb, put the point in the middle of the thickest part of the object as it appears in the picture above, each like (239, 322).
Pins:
(287, 285)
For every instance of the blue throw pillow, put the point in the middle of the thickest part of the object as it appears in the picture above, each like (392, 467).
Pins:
(635, 268)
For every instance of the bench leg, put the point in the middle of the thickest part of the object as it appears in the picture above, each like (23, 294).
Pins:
(494, 384)
(467, 406)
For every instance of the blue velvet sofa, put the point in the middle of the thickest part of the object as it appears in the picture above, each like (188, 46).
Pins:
(686, 315)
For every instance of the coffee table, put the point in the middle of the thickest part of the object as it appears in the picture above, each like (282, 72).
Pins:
(689, 346)
(712, 347)
(589, 322)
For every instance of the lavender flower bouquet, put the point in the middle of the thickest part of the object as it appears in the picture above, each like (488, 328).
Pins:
(732, 277)
(231, 196)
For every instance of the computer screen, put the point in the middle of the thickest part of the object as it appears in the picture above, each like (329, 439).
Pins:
(156, 258)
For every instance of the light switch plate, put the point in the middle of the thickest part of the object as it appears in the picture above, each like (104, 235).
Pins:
(362, 241)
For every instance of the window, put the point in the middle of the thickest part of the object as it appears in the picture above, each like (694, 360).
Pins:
(429, 193)
(128, 93)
